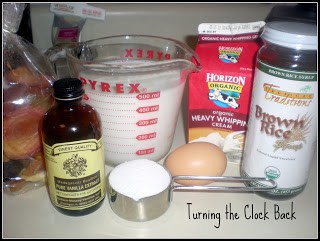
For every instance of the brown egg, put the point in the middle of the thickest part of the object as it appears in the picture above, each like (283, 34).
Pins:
(196, 159)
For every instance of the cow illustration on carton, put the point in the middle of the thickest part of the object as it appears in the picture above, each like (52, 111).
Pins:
(217, 95)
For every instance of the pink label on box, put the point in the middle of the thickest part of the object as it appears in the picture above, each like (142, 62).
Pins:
(68, 34)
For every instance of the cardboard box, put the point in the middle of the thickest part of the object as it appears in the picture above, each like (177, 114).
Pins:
(219, 95)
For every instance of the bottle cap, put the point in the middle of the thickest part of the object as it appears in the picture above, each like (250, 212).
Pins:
(67, 89)
(295, 35)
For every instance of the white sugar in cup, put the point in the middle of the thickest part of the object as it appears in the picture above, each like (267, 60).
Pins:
(139, 190)
(140, 178)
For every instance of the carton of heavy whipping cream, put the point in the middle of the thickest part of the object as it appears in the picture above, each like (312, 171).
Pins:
(219, 95)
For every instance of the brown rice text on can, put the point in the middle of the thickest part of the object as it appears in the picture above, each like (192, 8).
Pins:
(282, 136)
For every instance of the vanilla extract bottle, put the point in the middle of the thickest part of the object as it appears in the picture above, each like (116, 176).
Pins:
(74, 152)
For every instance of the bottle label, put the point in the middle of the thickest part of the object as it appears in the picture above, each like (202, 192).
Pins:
(76, 173)
(281, 136)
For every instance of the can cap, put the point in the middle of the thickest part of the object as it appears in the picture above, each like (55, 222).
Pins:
(67, 89)
(294, 35)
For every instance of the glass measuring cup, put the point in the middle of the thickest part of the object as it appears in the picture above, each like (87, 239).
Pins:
(136, 83)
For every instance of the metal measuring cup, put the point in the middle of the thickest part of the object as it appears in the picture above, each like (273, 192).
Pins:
(151, 207)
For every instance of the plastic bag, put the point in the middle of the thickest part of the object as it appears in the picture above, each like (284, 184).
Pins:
(27, 95)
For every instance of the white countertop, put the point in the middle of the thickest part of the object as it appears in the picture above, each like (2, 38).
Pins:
(31, 215)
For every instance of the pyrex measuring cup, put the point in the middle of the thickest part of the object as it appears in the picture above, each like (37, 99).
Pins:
(136, 83)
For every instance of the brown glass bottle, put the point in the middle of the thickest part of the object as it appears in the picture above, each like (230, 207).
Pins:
(72, 141)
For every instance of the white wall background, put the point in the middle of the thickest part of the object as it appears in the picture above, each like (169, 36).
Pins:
(175, 20)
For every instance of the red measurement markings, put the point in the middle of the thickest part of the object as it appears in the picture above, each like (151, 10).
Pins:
(146, 136)
(146, 109)
(148, 96)
(147, 122)
(145, 151)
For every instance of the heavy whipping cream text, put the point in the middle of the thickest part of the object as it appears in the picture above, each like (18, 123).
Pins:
(245, 37)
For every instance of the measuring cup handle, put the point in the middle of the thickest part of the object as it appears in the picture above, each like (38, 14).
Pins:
(58, 52)
(54, 53)
(197, 62)
(223, 188)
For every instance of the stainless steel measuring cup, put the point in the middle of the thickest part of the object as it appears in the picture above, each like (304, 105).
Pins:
(154, 206)
(136, 83)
